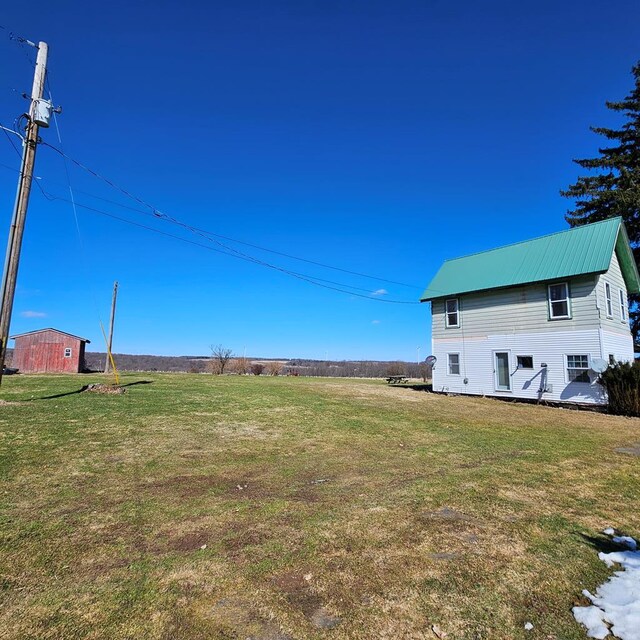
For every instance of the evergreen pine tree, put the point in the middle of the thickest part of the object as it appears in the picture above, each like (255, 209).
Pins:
(615, 189)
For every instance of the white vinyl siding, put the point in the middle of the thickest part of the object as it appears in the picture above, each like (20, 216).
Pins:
(478, 363)
(619, 345)
(559, 302)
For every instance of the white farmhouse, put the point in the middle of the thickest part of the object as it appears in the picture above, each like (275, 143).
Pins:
(530, 320)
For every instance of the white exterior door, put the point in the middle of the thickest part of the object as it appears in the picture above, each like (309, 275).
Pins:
(501, 371)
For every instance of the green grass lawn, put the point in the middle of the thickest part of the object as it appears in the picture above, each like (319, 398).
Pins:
(287, 508)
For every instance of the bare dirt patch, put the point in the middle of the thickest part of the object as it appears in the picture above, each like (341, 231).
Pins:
(189, 542)
(309, 488)
(99, 387)
(184, 486)
(106, 567)
(445, 555)
(242, 621)
(297, 590)
(305, 493)
(240, 536)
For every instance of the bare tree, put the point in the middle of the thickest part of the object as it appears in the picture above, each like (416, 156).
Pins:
(220, 356)
(396, 368)
(240, 365)
(274, 368)
(425, 371)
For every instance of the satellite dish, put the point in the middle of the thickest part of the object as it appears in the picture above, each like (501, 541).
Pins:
(599, 365)
(430, 360)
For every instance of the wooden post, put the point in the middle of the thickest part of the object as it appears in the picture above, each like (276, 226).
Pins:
(107, 364)
(16, 231)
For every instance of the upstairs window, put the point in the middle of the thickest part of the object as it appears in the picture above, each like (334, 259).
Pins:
(578, 368)
(452, 313)
(623, 306)
(67, 352)
(559, 301)
(607, 295)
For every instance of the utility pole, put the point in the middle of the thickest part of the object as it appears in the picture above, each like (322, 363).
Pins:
(39, 113)
(107, 364)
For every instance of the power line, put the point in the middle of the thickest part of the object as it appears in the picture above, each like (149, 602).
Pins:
(211, 237)
(231, 252)
(6, 166)
(22, 42)
(82, 251)
(159, 214)
(6, 133)
(18, 38)
(225, 250)
(321, 282)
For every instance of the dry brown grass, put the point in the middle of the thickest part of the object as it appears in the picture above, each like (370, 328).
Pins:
(273, 508)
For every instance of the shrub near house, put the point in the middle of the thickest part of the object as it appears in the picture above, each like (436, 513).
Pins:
(622, 382)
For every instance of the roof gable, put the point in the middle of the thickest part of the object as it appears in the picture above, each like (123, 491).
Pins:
(627, 261)
(577, 251)
(64, 333)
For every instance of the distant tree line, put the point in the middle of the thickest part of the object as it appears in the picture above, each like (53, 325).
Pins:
(357, 368)
(127, 362)
(261, 366)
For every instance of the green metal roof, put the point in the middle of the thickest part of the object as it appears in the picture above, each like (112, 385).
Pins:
(577, 251)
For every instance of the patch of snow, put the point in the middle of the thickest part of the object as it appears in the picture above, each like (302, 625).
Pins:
(615, 606)
(626, 541)
(591, 617)
(528, 626)
(609, 531)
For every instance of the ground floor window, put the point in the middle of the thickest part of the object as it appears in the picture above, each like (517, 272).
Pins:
(454, 364)
(67, 352)
(525, 362)
(578, 368)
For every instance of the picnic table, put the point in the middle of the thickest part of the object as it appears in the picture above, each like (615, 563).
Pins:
(397, 379)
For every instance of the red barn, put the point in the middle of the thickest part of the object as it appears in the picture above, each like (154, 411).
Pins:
(48, 351)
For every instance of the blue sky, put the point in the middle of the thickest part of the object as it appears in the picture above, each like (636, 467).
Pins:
(378, 137)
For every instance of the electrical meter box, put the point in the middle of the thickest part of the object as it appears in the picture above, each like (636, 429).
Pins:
(42, 112)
